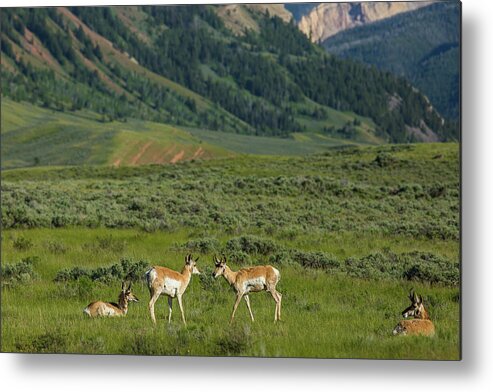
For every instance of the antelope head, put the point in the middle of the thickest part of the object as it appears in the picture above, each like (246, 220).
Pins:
(127, 293)
(416, 309)
(220, 267)
(191, 264)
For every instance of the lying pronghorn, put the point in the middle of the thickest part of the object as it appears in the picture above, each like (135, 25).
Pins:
(100, 308)
(162, 280)
(250, 280)
(421, 324)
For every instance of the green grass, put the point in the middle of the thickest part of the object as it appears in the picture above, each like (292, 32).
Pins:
(386, 213)
(299, 144)
(325, 315)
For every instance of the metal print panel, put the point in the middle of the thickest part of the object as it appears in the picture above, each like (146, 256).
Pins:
(264, 180)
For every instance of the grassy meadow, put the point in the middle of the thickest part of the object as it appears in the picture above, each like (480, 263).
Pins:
(352, 230)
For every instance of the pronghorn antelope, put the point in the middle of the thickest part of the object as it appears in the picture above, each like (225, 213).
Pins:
(109, 309)
(250, 280)
(421, 324)
(162, 280)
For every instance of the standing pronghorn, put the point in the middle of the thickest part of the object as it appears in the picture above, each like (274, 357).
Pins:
(162, 280)
(250, 280)
(100, 308)
(421, 324)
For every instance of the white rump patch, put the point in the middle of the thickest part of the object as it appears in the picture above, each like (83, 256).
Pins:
(254, 284)
(171, 286)
(151, 276)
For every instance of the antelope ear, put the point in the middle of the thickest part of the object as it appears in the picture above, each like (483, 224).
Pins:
(123, 285)
(420, 299)
(411, 295)
(129, 286)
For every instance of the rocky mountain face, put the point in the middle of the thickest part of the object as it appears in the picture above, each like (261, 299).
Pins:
(328, 19)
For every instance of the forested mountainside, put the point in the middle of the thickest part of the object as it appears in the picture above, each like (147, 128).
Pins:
(183, 65)
(422, 46)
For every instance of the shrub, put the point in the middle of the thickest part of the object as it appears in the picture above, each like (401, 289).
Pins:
(49, 342)
(22, 243)
(239, 257)
(69, 274)
(202, 245)
(317, 260)
(125, 270)
(110, 243)
(384, 159)
(19, 273)
(207, 282)
(56, 247)
(82, 288)
(234, 341)
(142, 344)
(417, 266)
(252, 245)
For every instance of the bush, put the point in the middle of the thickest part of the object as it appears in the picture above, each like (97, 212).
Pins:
(70, 274)
(19, 273)
(384, 159)
(82, 288)
(417, 266)
(125, 270)
(316, 260)
(110, 243)
(49, 342)
(252, 245)
(56, 247)
(22, 243)
(207, 282)
(239, 257)
(234, 341)
(202, 245)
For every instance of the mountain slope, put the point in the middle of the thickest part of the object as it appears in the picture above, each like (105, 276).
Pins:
(428, 40)
(298, 10)
(327, 19)
(183, 65)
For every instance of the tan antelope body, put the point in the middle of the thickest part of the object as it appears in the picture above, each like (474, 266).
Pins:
(162, 280)
(111, 309)
(420, 325)
(250, 280)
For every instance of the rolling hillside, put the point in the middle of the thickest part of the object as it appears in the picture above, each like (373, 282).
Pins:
(33, 136)
(186, 66)
(429, 41)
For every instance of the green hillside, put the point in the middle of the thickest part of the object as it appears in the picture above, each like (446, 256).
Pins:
(183, 66)
(33, 136)
(422, 46)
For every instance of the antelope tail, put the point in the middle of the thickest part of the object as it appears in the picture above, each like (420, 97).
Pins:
(150, 276)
